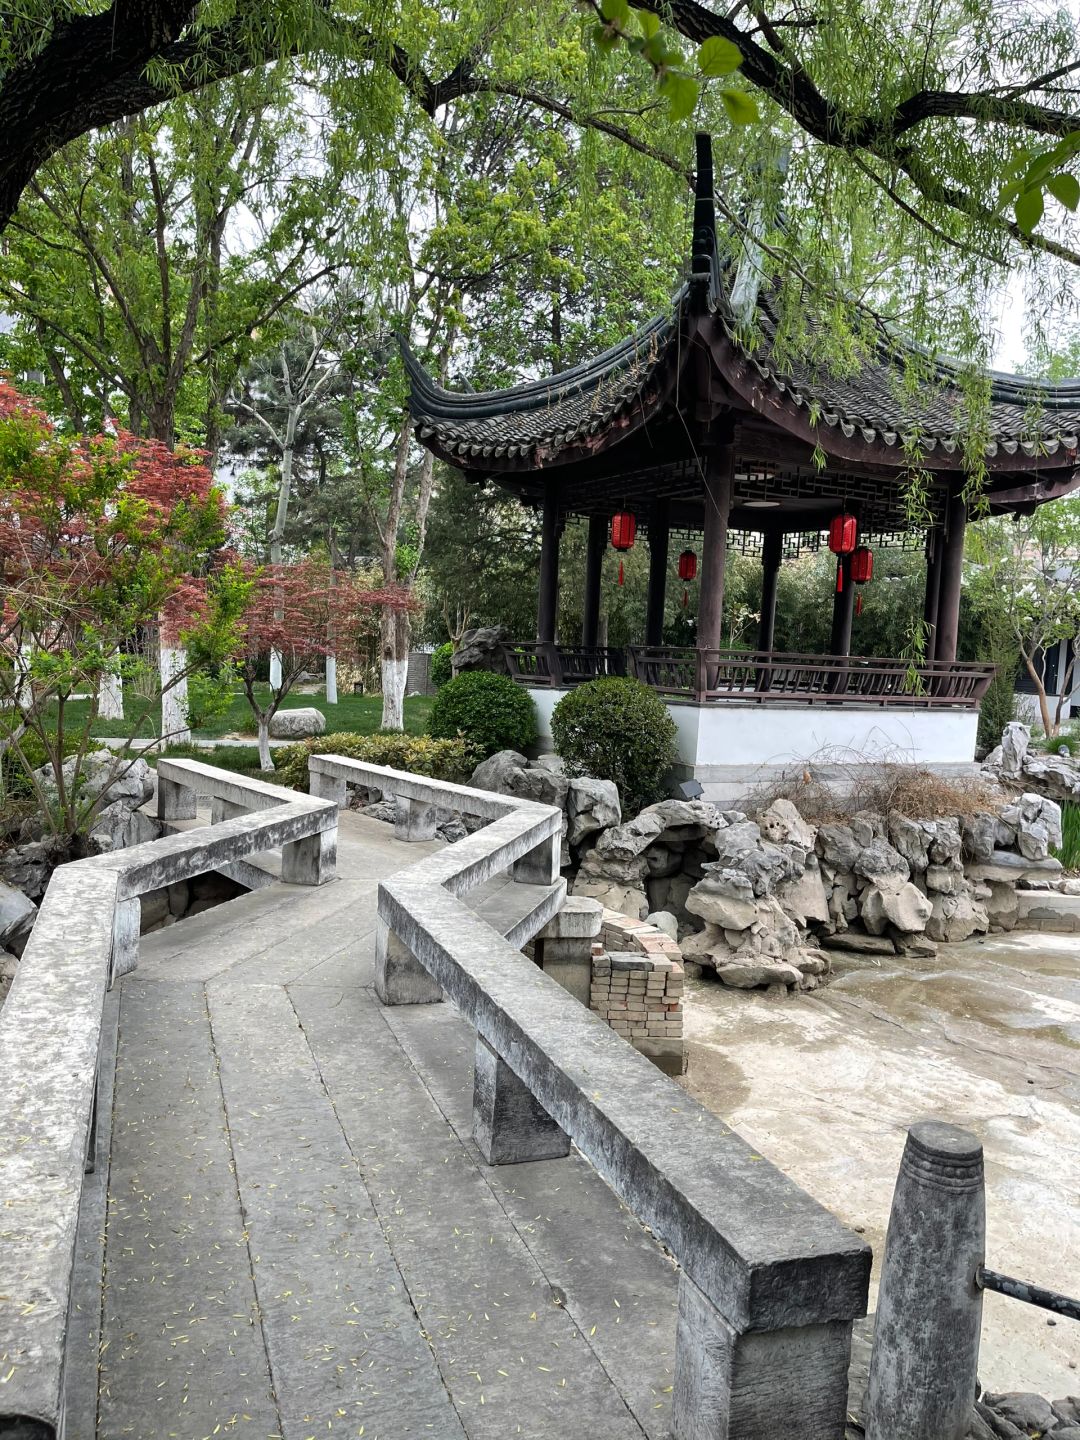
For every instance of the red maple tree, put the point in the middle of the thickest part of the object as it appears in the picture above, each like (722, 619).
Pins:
(303, 612)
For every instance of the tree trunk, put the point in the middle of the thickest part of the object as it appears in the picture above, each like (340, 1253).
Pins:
(288, 450)
(394, 639)
(110, 696)
(266, 761)
(331, 680)
(1040, 691)
(174, 719)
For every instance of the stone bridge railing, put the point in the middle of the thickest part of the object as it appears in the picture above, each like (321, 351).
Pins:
(51, 1061)
(770, 1281)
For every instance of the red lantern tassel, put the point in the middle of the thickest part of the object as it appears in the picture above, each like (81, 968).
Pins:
(685, 599)
(858, 604)
(839, 577)
(620, 573)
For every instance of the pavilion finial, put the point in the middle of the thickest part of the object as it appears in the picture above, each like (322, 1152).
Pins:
(704, 240)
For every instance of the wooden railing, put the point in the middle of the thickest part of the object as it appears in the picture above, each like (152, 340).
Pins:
(757, 676)
(541, 663)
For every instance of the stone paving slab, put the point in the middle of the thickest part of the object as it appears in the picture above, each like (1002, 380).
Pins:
(182, 1347)
(614, 1280)
(515, 1360)
(340, 1329)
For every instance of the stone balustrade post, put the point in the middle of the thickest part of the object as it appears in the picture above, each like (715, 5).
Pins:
(925, 1358)
(400, 979)
(564, 945)
(311, 861)
(225, 810)
(539, 866)
(415, 820)
(174, 800)
(327, 787)
(127, 923)
(509, 1125)
(758, 1384)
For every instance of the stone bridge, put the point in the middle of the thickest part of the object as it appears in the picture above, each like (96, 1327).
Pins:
(253, 1181)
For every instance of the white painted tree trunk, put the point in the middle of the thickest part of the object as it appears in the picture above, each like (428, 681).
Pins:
(266, 761)
(174, 718)
(394, 673)
(111, 696)
(331, 680)
(394, 667)
(275, 670)
(23, 686)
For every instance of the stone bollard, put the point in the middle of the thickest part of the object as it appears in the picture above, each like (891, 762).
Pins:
(926, 1338)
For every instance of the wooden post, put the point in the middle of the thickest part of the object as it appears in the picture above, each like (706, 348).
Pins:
(594, 567)
(952, 569)
(771, 555)
(932, 596)
(658, 561)
(549, 565)
(719, 467)
(843, 611)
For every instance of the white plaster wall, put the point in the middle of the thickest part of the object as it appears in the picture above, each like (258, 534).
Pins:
(713, 737)
(773, 734)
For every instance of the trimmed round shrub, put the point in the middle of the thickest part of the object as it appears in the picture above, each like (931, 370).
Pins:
(441, 669)
(617, 729)
(438, 759)
(486, 710)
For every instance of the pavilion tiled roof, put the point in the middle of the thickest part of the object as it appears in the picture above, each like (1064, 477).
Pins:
(535, 420)
(1026, 417)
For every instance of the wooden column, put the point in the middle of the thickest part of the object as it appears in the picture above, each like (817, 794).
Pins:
(594, 569)
(934, 546)
(843, 610)
(549, 565)
(771, 555)
(718, 483)
(658, 561)
(952, 569)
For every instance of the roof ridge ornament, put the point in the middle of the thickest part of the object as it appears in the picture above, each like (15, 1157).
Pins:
(703, 256)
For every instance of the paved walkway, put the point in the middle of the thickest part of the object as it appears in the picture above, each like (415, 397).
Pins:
(301, 1239)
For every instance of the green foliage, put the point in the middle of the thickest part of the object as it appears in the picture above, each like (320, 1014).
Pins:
(1031, 176)
(33, 751)
(442, 669)
(1069, 853)
(1025, 578)
(488, 711)
(640, 31)
(616, 729)
(209, 697)
(439, 759)
(998, 707)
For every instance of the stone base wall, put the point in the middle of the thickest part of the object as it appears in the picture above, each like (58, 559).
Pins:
(637, 988)
(1048, 910)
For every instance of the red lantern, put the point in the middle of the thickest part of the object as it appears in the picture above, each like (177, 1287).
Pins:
(862, 571)
(623, 530)
(843, 533)
(687, 565)
(862, 565)
(687, 572)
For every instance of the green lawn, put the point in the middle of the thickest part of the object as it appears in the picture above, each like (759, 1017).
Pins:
(358, 714)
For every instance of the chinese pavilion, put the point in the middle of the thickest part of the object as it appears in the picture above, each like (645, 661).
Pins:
(685, 426)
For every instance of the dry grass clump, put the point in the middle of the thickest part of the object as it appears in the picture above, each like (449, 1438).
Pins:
(922, 795)
(885, 788)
